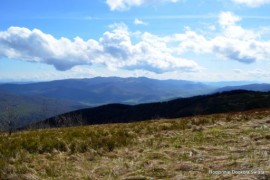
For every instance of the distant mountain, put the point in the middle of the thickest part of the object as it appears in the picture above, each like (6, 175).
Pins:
(221, 84)
(249, 87)
(233, 101)
(25, 109)
(104, 90)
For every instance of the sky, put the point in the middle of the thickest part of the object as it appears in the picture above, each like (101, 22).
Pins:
(198, 40)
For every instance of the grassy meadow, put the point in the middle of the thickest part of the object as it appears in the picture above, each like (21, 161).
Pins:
(184, 148)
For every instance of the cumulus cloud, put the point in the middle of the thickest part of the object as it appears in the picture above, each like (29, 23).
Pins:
(36, 46)
(232, 42)
(238, 43)
(120, 5)
(252, 3)
(139, 22)
(116, 49)
(113, 50)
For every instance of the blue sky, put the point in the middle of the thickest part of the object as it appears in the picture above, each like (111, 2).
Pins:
(200, 40)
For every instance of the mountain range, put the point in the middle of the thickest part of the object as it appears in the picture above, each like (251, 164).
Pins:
(34, 101)
(99, 90)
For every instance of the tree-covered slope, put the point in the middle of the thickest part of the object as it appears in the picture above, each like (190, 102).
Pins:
(118, 113)
(22, 110)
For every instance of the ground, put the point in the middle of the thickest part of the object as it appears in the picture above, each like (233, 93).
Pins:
(231, 146)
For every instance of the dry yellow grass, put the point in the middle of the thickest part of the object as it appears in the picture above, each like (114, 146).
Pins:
(186, 148)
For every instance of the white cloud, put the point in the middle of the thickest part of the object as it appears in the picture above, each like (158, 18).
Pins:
(252, 3)
(139, 22)
(113, 50)
(120, 5)
(36, 46)
(228, 19)
(232, 42)
(238, 43)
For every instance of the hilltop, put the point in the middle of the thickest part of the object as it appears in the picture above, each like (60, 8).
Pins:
(181, 148)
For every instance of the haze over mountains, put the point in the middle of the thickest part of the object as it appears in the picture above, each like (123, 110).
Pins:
(32, 102)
